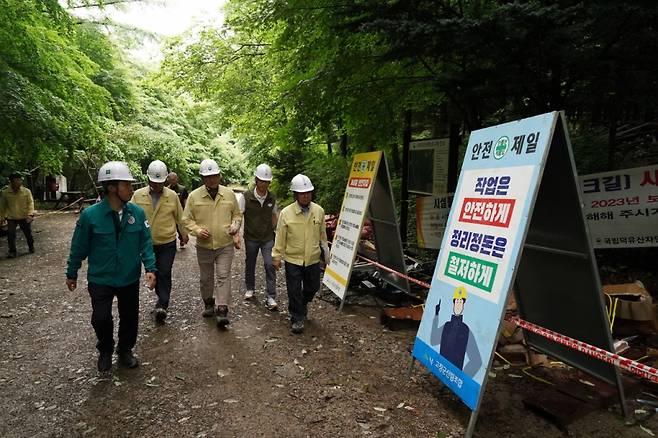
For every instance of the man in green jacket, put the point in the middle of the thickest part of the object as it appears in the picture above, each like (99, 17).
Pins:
(115, 236)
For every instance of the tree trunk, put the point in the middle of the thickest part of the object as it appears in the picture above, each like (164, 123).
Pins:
(395, 155)
(612, 139)
(453, 157)
(343, 145)
(404, 195)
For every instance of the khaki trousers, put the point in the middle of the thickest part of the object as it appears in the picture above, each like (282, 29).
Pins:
(215, 262)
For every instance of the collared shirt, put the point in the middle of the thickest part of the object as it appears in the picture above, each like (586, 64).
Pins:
(221, 216)
(298, 236)
(261, 199)
(164, 217)
(155, 197)
(115, 248)
(16, 205)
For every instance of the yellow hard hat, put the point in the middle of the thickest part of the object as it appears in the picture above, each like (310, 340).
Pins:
(460, 293)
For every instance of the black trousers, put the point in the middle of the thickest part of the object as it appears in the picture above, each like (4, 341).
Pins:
(26, 228)
(164, 260)
(101, 316)
(302, 283)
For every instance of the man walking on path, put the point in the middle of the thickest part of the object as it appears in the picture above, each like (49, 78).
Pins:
(114, 234)
(17, 205)
(212, 215)
(164, 213)
(300, 233)
(260, 214)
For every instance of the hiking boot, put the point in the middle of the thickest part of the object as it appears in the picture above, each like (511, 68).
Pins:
(297, 327)
(249, 294)
(160, 315)
(11, 255)
(104, 361)
(128, 359)
(210, 308)
(222, 316)
(271, 303)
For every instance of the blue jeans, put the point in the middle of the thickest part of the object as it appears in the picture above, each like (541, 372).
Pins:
(251, 249)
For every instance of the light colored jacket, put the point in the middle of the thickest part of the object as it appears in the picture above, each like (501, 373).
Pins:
(221, 216)
(163, 219)
(299, 236)
(16, 205)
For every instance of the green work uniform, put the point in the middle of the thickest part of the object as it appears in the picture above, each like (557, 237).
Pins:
(115, 248)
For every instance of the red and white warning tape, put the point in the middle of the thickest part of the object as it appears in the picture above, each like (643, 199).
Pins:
(632, 366)
(393, 271)
(629, 365)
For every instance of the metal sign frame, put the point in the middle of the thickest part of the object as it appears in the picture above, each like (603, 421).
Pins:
(557, 282)
(386, 229)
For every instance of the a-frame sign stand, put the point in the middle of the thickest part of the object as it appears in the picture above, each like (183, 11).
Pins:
(368, 191)
(516, 219)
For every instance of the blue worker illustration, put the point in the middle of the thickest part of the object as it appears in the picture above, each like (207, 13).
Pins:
(455, 338)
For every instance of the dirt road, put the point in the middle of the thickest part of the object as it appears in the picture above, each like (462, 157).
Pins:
(345, 376)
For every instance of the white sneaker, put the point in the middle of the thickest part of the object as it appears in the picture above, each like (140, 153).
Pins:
(271, 303)
(249, 294)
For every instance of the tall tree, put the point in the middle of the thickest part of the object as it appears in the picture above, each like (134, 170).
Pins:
(50, 102)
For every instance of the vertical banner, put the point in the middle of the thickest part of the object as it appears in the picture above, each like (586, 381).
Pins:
(431, 218)
(621, 207)
(428, 166)
(350, 221)
(480, 251)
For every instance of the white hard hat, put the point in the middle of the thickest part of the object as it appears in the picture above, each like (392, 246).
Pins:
(157, 171)
(301, 184)
(208, 167)
(263, 172)
(115, 171)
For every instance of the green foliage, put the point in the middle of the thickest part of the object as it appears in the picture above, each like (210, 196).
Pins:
(293, 76)
(113, 74)
(50, 103)
(291, 79)
(72, 101)
(329, 177)
(305, 84)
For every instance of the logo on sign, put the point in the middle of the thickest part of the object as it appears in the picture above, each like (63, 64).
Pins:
(501, 147)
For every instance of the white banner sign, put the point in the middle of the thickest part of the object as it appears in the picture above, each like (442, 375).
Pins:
(621, 207)
(431, 217)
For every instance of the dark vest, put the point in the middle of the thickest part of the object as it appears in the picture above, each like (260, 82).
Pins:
(257, 219)
(454, 340)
